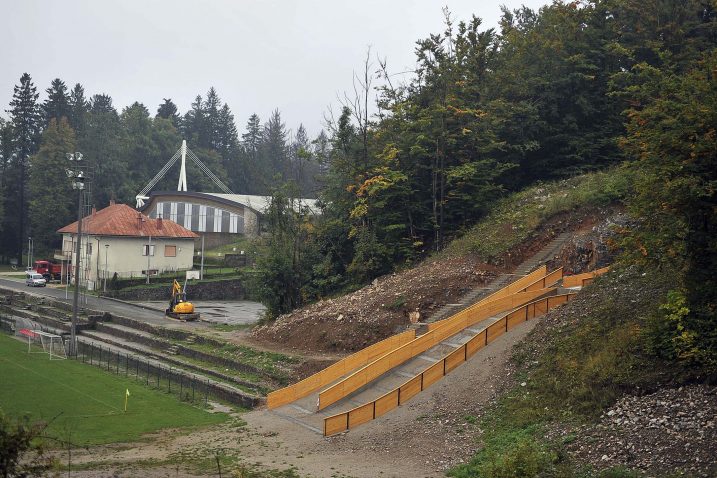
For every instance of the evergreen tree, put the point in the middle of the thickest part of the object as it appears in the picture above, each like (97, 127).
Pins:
(140, 156)
(26, 119)
(252, 175)
(53, 202)
(274, 147)
(168, 110)
(78, 109)
(57, 104)
(209, 135)
(102, 147)
(6, 153)
(227, 137)
(193, 123)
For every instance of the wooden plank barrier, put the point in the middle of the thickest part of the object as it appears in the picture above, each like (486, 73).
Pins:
(402, 354)
(581, 280)
(547, 281)
(512, 288)
(344, 421)
(337, 370)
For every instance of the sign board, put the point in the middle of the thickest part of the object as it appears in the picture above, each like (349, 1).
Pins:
(193, 275)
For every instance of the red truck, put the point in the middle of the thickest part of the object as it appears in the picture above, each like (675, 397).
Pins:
(49, 270)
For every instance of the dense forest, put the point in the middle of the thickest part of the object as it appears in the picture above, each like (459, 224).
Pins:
(573, 87)
(123, 151)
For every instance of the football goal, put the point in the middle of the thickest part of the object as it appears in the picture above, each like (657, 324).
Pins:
(45, 342)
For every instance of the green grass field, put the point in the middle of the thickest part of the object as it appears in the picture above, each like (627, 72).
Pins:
(89, 402)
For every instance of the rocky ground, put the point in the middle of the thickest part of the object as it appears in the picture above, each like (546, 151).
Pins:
(354, 321)
(594, 246)
(671, 430)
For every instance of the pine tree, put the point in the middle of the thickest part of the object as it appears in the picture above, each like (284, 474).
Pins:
(102, 146)
(78, 109)
(227, 136)
(251, 176)
(193, 123)
(139, 152)
(168, 110)
(26, 119)
(209, 136)
(274, 148)
(57, 104)
(52, 203)
(6, 152)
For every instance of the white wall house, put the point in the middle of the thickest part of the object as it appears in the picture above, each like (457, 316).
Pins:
(120, 240)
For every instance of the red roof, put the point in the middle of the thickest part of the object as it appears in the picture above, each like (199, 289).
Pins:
(122, 220)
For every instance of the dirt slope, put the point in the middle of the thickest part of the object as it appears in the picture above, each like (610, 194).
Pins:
(353, 321)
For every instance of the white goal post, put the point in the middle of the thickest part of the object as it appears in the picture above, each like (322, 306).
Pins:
(51, 344)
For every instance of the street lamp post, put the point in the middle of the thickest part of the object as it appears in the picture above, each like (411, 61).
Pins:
(78, 182)
(107, 247)
(29, 253)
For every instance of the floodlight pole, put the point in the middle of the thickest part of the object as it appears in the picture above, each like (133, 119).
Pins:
(78, 182)
(76, 294)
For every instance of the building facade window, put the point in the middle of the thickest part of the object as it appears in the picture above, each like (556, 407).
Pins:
(148, 249)
(170, 251)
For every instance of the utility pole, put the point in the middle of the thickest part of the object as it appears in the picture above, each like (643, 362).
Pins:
(201, 267)
(149, 254)
(107, 247)
(78, 182)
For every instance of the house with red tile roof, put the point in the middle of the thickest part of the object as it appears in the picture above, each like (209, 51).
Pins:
(120, 240)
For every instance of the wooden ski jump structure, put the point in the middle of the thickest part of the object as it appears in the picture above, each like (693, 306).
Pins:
(387, 374)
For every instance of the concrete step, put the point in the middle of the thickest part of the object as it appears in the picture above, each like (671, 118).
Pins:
(224, 390)
(165, 357)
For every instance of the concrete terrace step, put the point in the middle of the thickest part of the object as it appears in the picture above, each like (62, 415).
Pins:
(165, 357)
(225, 391)
(129, 334)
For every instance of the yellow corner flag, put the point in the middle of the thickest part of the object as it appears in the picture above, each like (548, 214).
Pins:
(126, 396)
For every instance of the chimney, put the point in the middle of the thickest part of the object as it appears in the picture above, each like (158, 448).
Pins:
(94, 210)
(112, 202)
(139, 221)
(159, 222)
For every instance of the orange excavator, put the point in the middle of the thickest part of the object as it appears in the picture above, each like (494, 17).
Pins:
(179, 307)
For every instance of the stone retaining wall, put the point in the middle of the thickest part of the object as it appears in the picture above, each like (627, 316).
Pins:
(231, 289)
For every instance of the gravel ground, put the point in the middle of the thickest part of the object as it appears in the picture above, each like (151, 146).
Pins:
(673, 430)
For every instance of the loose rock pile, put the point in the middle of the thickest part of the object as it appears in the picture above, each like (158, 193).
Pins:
(388, 305)
(672, 430)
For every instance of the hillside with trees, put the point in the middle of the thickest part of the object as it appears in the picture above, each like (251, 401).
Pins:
(573, 111)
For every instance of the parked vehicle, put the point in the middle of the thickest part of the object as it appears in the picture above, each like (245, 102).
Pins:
(49, 270)
(35, 280)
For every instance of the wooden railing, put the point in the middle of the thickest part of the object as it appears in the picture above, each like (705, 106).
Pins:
(437, 333)
(369, 411)
(547, 281)
(337, 370)
(380, 349)
(581, 280)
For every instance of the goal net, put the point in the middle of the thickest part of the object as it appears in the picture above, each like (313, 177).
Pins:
(45, 342)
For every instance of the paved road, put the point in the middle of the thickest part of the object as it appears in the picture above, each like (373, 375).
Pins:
(227, 312)
(93, 303)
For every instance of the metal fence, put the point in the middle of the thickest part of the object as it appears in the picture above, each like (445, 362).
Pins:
(185, 386)
(152, 374)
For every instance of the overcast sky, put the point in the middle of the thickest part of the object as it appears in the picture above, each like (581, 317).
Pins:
(259, 54)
